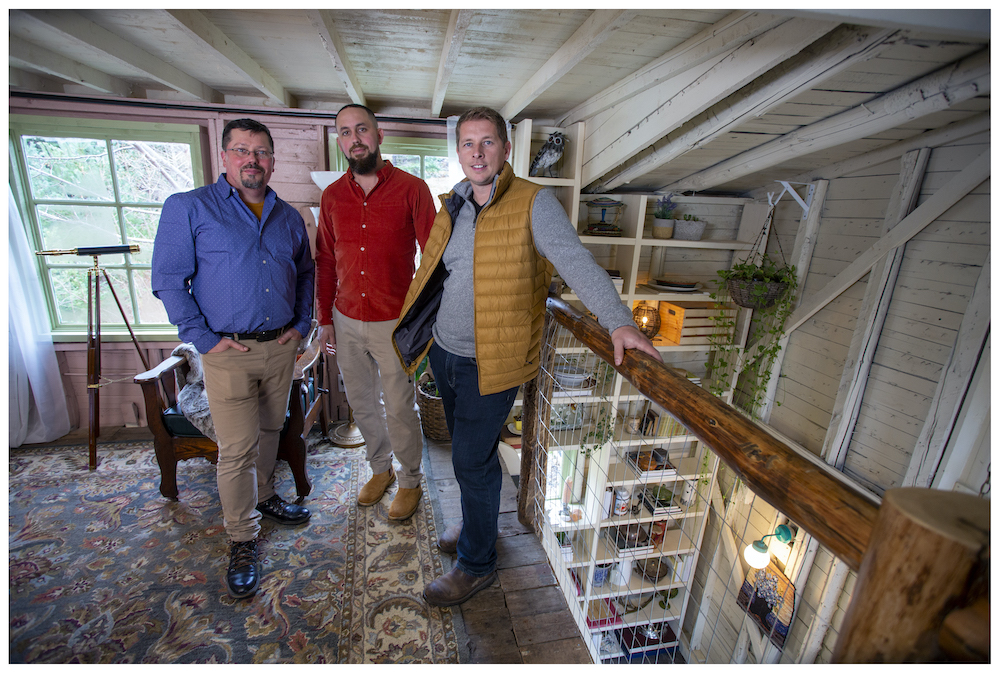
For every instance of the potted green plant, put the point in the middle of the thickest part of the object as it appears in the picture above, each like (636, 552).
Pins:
(769, 289)
(758, 286)
(663, 217)
(688, 228)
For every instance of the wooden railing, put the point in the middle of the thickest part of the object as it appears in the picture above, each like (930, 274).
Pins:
(920, 560)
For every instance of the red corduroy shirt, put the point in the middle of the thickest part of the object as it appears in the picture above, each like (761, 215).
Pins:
(366, 244)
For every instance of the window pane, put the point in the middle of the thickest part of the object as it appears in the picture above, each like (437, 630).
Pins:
(79, 226)
(69, 288)
(140, 228)
(149, 172)
(435, 167)
(151, 309)
(407, 162)
(68, 168)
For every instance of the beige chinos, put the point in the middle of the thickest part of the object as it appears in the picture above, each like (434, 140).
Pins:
(247, 391)
(373, 375)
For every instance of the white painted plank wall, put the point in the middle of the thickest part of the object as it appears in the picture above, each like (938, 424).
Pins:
(937, 276)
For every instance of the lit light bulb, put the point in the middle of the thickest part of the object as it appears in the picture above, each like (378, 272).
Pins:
(756, 555)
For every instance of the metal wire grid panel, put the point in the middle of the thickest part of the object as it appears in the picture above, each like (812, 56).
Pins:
(644, 529)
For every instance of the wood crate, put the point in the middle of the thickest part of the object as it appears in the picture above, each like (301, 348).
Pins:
(688, 323)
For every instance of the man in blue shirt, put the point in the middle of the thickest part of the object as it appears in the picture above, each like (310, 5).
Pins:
(232, 266)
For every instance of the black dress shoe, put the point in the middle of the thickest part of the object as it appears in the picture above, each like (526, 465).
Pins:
(456, 586)
(276, 509)
(243, 576)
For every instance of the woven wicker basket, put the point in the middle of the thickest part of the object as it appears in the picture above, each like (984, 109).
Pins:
(432, 419)
(743, 295)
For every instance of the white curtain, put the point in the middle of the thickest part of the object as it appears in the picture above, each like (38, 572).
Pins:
(38, 411)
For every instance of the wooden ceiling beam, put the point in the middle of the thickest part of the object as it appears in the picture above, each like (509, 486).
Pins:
(598, 27)
(199, 28)
(733, 30)
(71, 25)
(844, 47)
(622, 131)
(32, 57)
(322, 21)
(458, 24)
(941, 89)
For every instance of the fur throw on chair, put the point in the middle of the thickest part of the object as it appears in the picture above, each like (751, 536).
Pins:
(192, 399)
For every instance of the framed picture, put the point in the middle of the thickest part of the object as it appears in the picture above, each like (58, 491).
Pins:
(769, 598)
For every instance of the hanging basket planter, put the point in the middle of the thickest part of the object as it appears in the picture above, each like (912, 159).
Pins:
(755, 294)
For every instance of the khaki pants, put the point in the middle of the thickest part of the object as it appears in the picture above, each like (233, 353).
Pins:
(381, 396)
(248, 398)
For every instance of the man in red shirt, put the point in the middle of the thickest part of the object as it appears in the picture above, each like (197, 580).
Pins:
(369, 224)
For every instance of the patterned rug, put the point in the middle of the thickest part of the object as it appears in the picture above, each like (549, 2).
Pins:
(103, 569)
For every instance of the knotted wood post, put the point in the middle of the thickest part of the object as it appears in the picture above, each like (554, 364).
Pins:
(928, 556)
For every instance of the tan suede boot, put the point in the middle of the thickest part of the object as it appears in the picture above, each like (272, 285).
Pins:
(373, 491)
(404, 504)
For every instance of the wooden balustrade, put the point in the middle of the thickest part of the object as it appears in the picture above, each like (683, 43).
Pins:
(937, 559)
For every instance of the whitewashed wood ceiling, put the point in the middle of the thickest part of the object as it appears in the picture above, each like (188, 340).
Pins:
(674, 100)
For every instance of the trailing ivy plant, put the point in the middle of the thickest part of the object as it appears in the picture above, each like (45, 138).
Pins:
(751, 366)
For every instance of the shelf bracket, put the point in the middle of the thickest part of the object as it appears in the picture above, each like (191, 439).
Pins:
(787, 187)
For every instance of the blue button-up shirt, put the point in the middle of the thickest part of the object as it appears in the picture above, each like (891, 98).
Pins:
(217, 269)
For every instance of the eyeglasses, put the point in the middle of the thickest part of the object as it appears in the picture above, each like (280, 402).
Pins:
(244, 153)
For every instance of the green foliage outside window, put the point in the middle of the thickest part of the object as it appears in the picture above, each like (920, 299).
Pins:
(92, 183)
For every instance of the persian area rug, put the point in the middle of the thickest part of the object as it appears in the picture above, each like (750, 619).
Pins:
(103, 569)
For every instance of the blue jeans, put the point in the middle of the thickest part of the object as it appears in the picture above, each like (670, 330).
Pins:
(474, 422)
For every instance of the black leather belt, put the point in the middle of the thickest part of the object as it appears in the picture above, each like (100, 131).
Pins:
(269, 335)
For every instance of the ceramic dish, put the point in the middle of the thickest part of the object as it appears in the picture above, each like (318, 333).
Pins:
(512, 429)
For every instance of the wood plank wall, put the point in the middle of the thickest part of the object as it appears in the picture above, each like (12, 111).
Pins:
(939, 270)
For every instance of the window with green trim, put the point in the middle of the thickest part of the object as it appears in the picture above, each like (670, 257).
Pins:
(426, 158)
(91, 183)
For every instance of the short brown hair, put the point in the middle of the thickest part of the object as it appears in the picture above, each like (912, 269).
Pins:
(368, 110)
(251, 125)
(488, 114)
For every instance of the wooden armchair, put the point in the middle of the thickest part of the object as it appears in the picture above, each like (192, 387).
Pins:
(176, 439)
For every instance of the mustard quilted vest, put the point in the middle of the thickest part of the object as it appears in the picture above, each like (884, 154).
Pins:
(511, 281)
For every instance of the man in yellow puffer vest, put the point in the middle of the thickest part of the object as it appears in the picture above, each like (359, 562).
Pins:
(477, 306)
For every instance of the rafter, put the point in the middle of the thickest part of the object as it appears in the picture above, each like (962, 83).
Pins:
(941, 89)
(203, 31)
(457, 27)
(30, 56)
(598, 27)
(70, 25)
(322, 21)
(843, 48)
(622, 131)
(733, 30)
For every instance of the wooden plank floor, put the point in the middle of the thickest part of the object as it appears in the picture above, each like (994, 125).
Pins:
(523, 617)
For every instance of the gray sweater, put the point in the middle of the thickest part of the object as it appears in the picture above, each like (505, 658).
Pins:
(556, 240)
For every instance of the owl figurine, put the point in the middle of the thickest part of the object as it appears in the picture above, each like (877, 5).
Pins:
(547, 157)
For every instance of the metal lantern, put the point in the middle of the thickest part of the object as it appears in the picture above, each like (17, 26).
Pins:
(603, 215)
(647, 317)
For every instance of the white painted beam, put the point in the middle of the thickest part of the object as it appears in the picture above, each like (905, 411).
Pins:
(732, 31)
(844, 47)
(458, 24)
(73, 26)
(965, 23)
(200, 29)
(322, 21)
(933, 138)
(871, 317)
(619, 133)
(941, 89)
(952, 389)
(33, 57)
(944, 198)
(598, 27)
